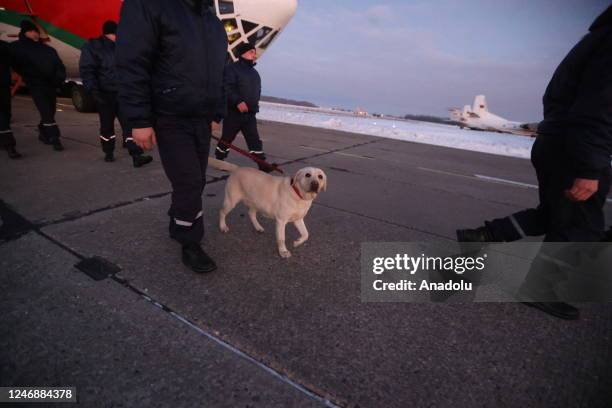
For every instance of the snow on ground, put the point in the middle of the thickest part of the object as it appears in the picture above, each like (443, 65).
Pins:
(411, 131)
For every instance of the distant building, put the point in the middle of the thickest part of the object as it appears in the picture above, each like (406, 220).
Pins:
(361, 112)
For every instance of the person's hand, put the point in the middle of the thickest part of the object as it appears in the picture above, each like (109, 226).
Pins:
(243, 107)
(582, 189)
(214, 126)
(145, 138)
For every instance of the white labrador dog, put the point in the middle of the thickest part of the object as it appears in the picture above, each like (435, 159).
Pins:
(284, 199)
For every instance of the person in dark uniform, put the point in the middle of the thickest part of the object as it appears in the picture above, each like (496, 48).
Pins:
(97, 68)
(170, 62)
(43, 72)
(243, 88)
(7, 140)
(571, 156)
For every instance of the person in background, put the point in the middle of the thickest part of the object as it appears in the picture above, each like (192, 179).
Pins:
(43, 73)
(97, 69)
(7, 140)
(243, 88)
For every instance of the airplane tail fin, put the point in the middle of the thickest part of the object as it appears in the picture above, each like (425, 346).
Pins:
(221, 165)
(480, 104)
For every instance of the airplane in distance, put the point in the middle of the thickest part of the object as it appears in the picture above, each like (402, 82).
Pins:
(67, 24)
(478, 117)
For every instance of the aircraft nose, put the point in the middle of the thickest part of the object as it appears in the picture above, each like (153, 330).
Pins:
(271, 13)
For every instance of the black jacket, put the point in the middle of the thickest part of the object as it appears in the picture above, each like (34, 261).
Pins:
(242, 84)
(37, 63)
(578, 102)
(170, 59)
(5, 69)
(97, 65)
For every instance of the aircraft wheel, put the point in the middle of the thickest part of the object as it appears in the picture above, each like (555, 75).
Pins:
(82, 100)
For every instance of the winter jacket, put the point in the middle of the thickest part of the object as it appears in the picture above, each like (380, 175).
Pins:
(242, 84)
(170, 59)
(578, 103)
(37, 63)
(5, 69)
(97, 65)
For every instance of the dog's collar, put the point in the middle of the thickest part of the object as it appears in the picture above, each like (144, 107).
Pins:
(296, 190)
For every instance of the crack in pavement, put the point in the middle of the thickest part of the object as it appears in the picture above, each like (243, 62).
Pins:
(121, 204)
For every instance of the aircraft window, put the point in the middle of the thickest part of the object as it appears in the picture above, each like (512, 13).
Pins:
(267, 42)
(230, 25)
(260, 34)
(226, 7)
(248, 26)
(232, 38)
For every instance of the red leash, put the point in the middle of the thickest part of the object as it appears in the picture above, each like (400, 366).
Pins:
(256, 159)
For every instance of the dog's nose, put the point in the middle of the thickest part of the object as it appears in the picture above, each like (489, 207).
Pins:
(314, 186)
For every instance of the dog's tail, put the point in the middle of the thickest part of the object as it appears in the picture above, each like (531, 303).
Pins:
(221, 165)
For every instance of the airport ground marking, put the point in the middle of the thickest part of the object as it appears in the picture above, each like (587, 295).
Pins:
(448, 173)
(504, 181)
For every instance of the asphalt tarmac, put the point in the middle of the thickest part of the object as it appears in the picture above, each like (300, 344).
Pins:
(262, 331)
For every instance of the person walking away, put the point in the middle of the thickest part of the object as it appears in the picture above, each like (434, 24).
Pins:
(97, 69)
(7, 139)
(43, 72)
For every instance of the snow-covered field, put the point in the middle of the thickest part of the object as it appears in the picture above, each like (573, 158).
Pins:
(412, 131)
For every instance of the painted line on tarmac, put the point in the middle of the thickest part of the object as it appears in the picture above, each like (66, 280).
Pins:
(481, 177)
(448, 173)
(504, 181)
(491, 179)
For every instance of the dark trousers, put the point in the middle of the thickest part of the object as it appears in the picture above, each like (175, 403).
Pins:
(184, 144)
(556, 217)
(45, 98)
(108, 111)
(241, 122)
(7, 140)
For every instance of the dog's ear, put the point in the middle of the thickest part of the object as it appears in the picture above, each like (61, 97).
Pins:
(298, 176)
(324, 188)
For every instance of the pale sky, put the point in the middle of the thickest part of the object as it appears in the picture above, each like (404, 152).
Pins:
(423, 57)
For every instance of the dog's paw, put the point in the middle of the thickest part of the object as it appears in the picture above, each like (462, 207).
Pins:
(224, 229)
(284, 253)
(298, 242)
(260, 230)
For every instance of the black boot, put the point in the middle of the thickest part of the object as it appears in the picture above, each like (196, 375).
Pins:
(263, 167)
(608, 237)
(58, 146)
(13, 153)
(140, 160)
(481, 234)
(197, 260)
(43, 139)
(561, 310)
(109, 157)
(221, 154)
